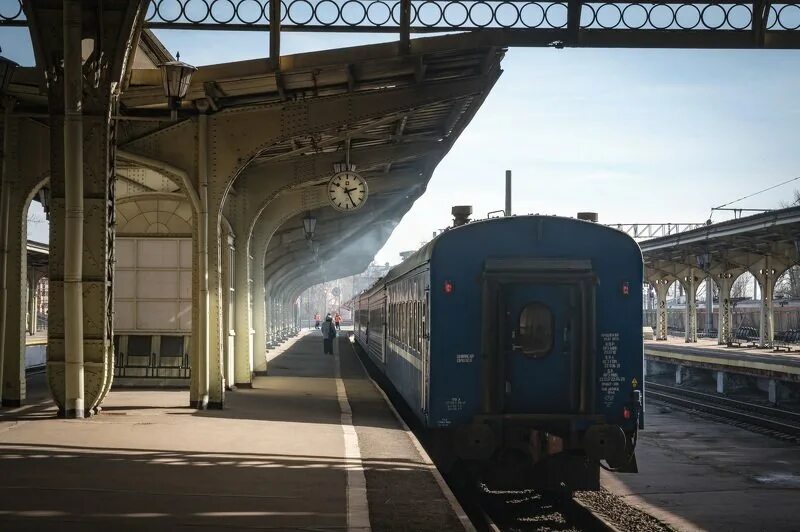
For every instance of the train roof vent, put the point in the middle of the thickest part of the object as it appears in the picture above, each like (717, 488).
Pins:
(461, 214)
(588, 216)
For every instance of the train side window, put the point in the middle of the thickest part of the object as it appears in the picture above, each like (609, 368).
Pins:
(535, 336)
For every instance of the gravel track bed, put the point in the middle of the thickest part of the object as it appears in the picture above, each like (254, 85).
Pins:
(619, 513)
(524, 511)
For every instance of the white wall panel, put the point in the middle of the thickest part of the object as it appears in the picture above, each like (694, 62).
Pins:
(124, 315)
(185, 315)
(157, 284)
(153, 285)
(158, 253)
(186, 254)
(157, 316)
(125, 253)
(186, 285)
(124, 284)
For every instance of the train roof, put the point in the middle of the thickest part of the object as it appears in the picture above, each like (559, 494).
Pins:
(423, 254)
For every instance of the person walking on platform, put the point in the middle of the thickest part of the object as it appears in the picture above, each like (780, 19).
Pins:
(316, 319)
(338, 321)
(328, 334)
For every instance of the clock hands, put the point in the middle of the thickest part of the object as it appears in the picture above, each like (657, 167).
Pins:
(348, 191)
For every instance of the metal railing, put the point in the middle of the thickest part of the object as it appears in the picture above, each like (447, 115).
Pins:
(457, 15)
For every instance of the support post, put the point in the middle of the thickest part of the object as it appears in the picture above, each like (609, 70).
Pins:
(200, 372)
(17, 300)
(773, 391)
(33, 278)
(725, 310)
(691, 307)
(766, 330)
(259, 308)
(243, 357)
(709, 305)
(228, 311)
(661, 319)
(5, 207)
(73, 209)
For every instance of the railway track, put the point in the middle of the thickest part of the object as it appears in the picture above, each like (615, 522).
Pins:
(529, 510)
(503, 511)
(581, 511)
(774, 420)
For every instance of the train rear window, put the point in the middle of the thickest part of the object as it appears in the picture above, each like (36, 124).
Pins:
(535, 330)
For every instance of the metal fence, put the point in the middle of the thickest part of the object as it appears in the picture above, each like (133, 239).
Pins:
(785, 318)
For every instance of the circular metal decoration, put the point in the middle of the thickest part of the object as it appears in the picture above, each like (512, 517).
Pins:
(347, 191)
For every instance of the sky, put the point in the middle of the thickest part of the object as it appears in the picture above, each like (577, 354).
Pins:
(639, 136)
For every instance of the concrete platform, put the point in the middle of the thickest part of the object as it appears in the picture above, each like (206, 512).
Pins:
(697, 474)
(706, 353)
(281, 456)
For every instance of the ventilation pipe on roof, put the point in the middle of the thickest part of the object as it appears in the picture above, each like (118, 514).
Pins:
(508, 193)
(461, 214)
(588, 216)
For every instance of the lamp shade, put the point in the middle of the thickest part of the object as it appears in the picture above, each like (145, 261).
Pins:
(309, 225)
(176, 77)
(7, 68)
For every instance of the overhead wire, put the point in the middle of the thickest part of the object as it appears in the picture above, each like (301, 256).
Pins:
(755, 194)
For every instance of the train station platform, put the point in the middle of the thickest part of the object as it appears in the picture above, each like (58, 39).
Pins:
(696, 474)
(312, 446)
(707, 354)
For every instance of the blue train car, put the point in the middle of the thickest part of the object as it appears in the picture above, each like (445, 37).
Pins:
(517, 343)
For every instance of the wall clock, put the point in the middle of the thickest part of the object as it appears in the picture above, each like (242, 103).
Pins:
(347, 191)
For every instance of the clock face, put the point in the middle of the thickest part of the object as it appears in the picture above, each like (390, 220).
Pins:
(347, 191)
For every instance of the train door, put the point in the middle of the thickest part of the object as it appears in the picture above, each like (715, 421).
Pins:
(538, 346)
(538, 331)
(425, 350)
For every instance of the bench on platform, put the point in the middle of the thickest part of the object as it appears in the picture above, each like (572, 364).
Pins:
(786, 340)
(745, 336)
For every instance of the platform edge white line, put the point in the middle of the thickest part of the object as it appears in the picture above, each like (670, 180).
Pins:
(357, 503)
(446, 491)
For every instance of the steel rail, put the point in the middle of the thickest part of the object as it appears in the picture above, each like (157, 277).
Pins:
(740, 411)
(768, 411)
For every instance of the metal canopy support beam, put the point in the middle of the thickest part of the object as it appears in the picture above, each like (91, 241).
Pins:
(405, 26)
(573, 22)
(760, 16)
(275, 34)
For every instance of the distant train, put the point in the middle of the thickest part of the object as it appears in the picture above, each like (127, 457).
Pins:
(517, 344)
